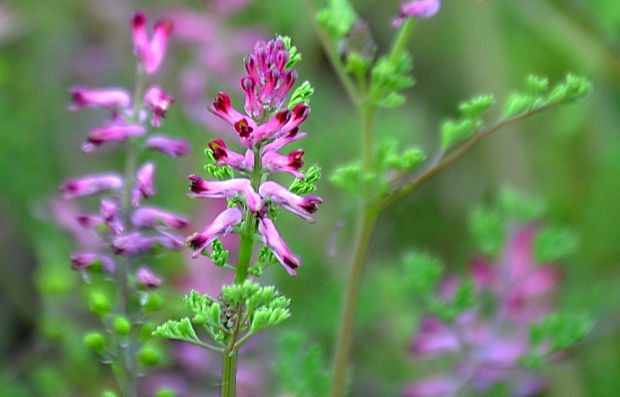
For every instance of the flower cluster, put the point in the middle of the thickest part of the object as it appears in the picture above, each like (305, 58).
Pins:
(121, 220)
(492, 347)
(265, 128)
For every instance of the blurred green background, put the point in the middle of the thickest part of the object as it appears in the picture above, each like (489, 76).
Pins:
(570, 156)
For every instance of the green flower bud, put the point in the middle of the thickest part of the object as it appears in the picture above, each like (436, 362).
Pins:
(109, 393)
(95, 342)
(99, 304)
(153, 303)
(122, 326)
(148, 356)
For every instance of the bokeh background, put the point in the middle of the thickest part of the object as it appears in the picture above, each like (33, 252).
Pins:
(570, 156)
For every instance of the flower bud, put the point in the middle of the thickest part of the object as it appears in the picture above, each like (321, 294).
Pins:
(148, 356)
(95, 342)
(122, 326)
(99, 304)
(153, 303)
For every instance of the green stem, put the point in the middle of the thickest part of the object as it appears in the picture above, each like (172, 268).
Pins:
(125, 367)
(367, 115)
(347, 319)
(400, 44)
(229, 374)
(332, 55)
(246, 246)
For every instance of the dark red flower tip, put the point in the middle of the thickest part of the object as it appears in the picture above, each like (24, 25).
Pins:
(301, 111)
(165, 24)
(295, 159)
(197, 184)
(138, 19)
(243, 128)
(284, 116)
(222, 102)
(218, 147)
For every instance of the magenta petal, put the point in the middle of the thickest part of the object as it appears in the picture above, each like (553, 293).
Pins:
(272, 239)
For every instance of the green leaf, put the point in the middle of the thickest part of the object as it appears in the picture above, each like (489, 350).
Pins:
(517, 104)
(294, 54)
(519, 206)
(475, 107)
(301, 94)
(306, 185)
(562, 330)
(348, 178)
(489, 230)
(455, 131)
(423, 272)
(388, 77)
(553, 243)
(337, 19)
(180, 330)
(537, 85)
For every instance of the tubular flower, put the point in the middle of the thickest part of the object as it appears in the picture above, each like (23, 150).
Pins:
(223, 156)
(144, 184)
(221, 225)
(158, 101)
(148, 217)
(112, 98)
(231, 188)
(168, 146)
(85, 259)
(111, 133)
(272, 239)
(151, 52)
(291, 163)
(91, 185)
(147, 278)
(298, 205)
(423, 9)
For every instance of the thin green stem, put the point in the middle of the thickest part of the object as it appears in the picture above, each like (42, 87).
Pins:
(332, 56)
(125, 366)
(400, 44)
(344, 339)
(451, 157)
(367, 115)
(229, 374)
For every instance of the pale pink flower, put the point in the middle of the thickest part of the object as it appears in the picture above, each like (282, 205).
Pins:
(276, 162)
(224, 156)
(147, 278)
(91, 185)
(168, 146)
(144, 184)
(422, 9)
(86, 259)
(148, 217)
(231, 188)
(151, 52)
(159, 102)
(111, 133)
(112, 98)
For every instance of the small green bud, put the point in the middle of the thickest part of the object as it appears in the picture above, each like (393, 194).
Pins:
(148, 356)
(146, 332)
(109, 393)
(95, 342)
(166, 393)
(356, 64)
(537, 85)
(122, 326)
(294, 55)
(99, 304)
(301, 94)
(153, 303)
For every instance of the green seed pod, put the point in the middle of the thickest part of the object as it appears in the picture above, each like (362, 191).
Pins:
(122, 326)
(153, 303)
(99, 304)
(95, 342)
(148, 356)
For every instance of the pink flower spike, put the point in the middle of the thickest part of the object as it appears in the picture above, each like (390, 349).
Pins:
(278, 163)
(147, 278)
(85, 259)
(272, 239)
(112, 133)
(152, 217)
(223, 156)
(222, 224)
(106, 98)
(158, 101)
(226, 189)
(168, 146)
(423, 9)
(91, 185)
(298, 205)
(144, 186)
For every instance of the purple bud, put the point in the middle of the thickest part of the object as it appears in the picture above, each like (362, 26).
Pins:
(85, 259)
(221, 225)
(147, 278)
(144, 184)
(91, 185)
(159, 102)
(168, 146)
(105, 97)
(152, 217)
